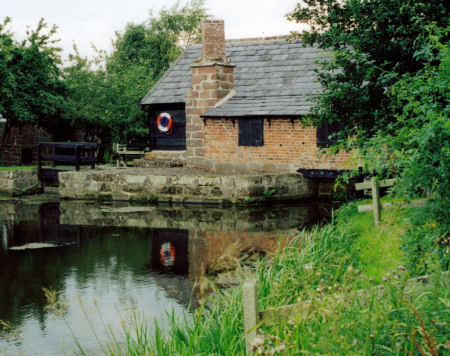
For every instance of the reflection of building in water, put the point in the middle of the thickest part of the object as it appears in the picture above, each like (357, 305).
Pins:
(193, 238)
(183, 242)
(177, 287)
(209, 251)
(4, 231)
(167, 254)
(170, 251)
(31, 223)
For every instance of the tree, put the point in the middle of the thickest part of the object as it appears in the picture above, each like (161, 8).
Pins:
(105, 105)
(386, 85)
(31, 85)
(418, 146)
(374, 43)
(105, 93)
(160, 40)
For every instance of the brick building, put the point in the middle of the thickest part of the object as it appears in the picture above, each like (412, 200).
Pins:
(21, 146)
(236, 106)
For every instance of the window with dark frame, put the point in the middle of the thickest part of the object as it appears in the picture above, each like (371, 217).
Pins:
(326, 134)
(251, 132)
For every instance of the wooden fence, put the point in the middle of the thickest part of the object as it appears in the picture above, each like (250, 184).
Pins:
(63, 153)
(374, 185)
(122, 152)
(254, 318)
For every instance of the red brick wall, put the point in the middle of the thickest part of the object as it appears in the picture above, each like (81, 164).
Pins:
(287, 146)
(215, 249)
(213, 38)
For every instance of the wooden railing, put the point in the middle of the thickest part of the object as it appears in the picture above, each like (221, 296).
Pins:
(74, 154)
(374, 185)
(122, 152)
(254, 318)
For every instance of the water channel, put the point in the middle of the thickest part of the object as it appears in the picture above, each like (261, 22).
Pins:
(109, 261)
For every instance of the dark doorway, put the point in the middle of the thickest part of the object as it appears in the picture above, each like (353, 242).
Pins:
(27, 156)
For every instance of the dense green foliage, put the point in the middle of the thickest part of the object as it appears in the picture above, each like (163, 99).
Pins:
(355, 311)
(417, 144)
(32, 89)
(369, 39)
(386, 84)
(104, 94)
(427, 240)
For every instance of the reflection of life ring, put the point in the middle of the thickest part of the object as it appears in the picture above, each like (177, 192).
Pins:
(164, 122)
(167, 254)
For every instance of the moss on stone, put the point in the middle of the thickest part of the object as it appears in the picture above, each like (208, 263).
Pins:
(255, 191)
(169, 189)
(216, 191)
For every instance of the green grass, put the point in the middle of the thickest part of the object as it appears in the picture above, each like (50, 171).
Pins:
(377, 249)
(21, 168)
(16, 168)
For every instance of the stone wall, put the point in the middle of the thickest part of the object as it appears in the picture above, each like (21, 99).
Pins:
(288, 145)
(161, 159)
(24, 138)
(17, 183)
(178, 185)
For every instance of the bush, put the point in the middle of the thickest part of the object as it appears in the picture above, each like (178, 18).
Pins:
(426, 243)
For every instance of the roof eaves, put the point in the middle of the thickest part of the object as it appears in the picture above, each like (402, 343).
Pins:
(242, 116)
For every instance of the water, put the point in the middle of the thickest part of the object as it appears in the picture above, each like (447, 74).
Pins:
(107, 261)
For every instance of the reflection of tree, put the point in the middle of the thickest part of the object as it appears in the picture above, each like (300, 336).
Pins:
(25, 273)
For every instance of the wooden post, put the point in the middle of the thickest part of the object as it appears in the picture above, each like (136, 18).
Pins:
(92, 157)
(53, 159)
(376, 201)
(39, 162)
(39, 166)
(249, 298)
(77, 158)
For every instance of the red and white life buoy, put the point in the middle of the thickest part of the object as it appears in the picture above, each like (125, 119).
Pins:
(167, 254)
(164, 122)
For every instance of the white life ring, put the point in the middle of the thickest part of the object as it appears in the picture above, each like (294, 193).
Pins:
(164, 122)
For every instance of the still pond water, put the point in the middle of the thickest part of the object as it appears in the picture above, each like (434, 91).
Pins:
(107, 261)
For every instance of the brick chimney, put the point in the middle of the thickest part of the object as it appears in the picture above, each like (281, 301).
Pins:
(212, 79)
(213, 39)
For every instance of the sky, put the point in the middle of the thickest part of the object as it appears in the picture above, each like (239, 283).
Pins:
(94, 22)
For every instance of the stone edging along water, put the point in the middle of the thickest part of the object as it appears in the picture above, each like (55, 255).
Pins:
(19, 182)
(181, 185)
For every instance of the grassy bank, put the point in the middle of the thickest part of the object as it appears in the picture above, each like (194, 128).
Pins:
(16, 168)
(330, 265)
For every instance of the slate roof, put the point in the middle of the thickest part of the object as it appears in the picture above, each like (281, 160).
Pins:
(271, 78)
